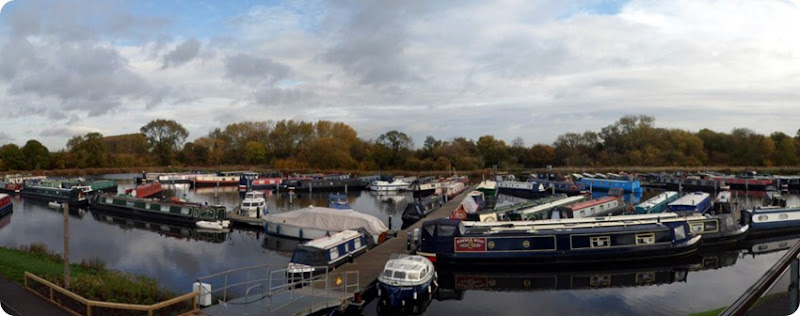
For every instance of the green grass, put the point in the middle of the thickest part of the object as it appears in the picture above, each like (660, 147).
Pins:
(89, 279)
(713, 312)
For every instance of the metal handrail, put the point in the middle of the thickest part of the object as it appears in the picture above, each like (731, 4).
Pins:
(757, 290)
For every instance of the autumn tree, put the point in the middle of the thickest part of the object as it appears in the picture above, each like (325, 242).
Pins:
(11, 157)
(36, 155)
(88, 151)
(164, 138)
(394, 147)
(492, 150)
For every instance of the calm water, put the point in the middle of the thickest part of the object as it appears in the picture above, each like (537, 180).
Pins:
(176, 256)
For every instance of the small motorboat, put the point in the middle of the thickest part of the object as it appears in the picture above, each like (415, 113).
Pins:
(404, 278)
(218, 225)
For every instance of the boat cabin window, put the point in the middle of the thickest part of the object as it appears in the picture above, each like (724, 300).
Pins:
(357, 243)
(388, 273)
(400, 275)
(645, 239)
(413, 276)
(680, 232)
(711, 226)
(423, 274)
(334, 253)
(696, 228)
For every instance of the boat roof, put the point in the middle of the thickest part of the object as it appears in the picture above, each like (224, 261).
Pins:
(593, 202)
(3, 195)
(325, 218)
(606, 180)
(328, 241)
(551, 204)
(487, 184)
(588, 222)
(407, 263)
(692, 198)
(653, 201)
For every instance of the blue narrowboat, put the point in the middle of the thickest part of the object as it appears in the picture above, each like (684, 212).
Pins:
(529, 190)
(568, 187)
(324, 254)
(5, 204)
(607, 184)
(57, 191)
(447, 241)
(405, 278)
(773, 219)
(693, 202)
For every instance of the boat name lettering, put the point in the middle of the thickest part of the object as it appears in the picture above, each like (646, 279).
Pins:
(470, 244)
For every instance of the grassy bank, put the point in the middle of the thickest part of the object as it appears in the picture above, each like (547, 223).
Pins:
(713, 312)
(89, 279)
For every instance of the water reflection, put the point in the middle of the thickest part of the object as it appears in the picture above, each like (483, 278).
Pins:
(174, 231)
(282, 245)
(500, 278)
(6, 220)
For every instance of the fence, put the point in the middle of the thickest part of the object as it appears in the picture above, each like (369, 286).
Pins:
(270, 288)
(78, 305)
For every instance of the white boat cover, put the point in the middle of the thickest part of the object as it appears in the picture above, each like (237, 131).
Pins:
(323, 218)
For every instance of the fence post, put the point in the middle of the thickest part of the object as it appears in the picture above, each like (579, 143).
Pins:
(88, 309)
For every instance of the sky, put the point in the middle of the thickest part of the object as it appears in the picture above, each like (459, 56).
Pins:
(533, 69)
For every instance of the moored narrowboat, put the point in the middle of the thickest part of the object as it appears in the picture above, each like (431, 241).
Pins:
(488, 187)
(608, 205)
(773, 219)
(656, 204)
(5, 204)
(600, 184)
(568, 187)
(270, 183)
(57, 191)
(447, 241)
(693, 202)
(170, 211)
(542, 211)
(416, 210)
(326, 253)
(386, 186)
(206, 180)
(405, 278)
(529, 190)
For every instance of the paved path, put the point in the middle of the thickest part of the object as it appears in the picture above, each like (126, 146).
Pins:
(16, 300)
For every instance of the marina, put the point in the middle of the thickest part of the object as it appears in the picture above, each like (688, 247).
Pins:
(234, 248)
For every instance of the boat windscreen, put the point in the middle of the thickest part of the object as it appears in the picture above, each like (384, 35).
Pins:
(311, 257)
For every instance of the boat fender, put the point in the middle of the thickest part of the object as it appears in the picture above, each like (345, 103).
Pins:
(415, 295)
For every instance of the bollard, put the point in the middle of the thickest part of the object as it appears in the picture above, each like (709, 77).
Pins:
(390, 222)
(417, 238)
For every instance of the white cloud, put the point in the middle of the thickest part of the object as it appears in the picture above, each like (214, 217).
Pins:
(534, 69)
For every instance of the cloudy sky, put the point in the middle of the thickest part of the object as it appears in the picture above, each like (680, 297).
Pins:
(529, 68)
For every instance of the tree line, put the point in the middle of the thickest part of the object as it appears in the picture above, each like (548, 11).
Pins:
(324, 145)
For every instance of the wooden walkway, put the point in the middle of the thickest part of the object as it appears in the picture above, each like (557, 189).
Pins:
(367, 267)
(370, 265)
